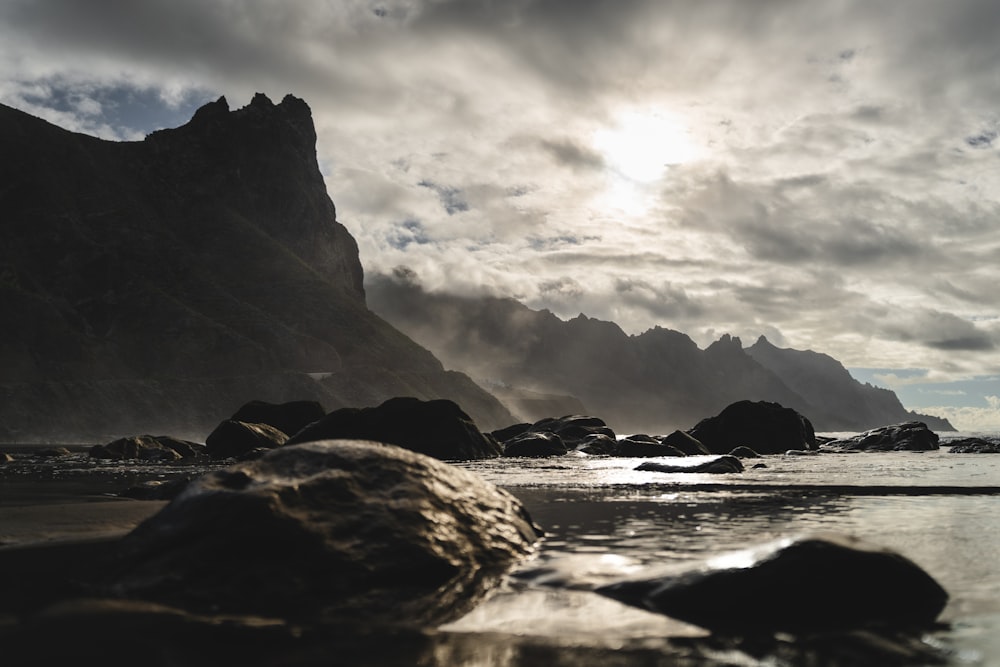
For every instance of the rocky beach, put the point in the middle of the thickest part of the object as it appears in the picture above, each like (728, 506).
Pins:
(146, 556)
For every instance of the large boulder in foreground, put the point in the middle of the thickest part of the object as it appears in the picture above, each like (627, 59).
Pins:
(816, 583)
(909, 437)
(344, 531)
(437, 428)
(765, 427)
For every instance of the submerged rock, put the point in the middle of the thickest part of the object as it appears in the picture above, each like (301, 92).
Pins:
(973, 446)
(438, 428)
(815, 583)
(645, 446)
(720, 465)
(767, 428)
(349, 531)
(909, 436)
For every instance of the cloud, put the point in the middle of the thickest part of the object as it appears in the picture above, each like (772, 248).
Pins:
(964, 418)
(844, 197)
(452, 199)
(573, 155)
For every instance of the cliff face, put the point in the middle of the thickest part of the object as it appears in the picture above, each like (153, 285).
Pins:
(657, 381)
(157, 285)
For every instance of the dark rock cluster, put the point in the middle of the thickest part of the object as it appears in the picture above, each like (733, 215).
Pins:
(326, 535)
(908, 436)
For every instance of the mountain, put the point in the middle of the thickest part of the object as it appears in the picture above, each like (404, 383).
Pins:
(653, 382)
(823, 381)
(155, 286)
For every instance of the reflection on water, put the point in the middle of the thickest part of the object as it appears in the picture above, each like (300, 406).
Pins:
(605, 520)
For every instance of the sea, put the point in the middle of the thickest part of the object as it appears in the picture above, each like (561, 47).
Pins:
(604, 520)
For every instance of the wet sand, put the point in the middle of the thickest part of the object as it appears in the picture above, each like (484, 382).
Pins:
(72, 521)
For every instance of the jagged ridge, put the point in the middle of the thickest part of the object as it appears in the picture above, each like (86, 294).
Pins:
(656, 381)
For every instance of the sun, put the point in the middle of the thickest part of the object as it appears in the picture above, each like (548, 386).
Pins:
(640, 146)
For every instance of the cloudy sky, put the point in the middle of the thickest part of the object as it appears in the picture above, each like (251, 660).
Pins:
(824, 173)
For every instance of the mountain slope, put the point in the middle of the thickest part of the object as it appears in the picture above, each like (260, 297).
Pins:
(157, 285)
(823, 381)
(656, 381)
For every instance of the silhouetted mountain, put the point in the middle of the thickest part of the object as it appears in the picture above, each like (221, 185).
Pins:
(824, 382)
(656, 381)
(157, 285)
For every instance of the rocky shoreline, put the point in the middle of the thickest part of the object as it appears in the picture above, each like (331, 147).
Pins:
(352, 521)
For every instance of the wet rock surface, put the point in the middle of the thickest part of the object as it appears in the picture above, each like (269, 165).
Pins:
(719, 466)
(974, 446)
(818, 583)
(149, 448)
(438, 428)
(535, 445)
(908, 436)
(236, 439)
(344, 530)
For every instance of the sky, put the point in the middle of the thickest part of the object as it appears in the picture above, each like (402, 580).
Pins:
(824, 173)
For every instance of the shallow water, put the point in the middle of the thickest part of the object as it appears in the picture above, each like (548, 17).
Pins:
(604, 520)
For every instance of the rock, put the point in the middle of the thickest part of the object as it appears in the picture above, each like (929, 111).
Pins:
(436, 428)
(502, 435)
(686, 443)
(535, 445)
(645, 446)
(766, 427)
(344, 531)
(909, 436)
(746, 453)
(813, 583)
(53, 452)
(599, 444)
(289, 418)
(148, 448)
(573, 429)
(233, 439)
(973, 446)
(720, 465)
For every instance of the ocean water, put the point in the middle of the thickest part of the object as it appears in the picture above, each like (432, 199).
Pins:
(604, 520)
